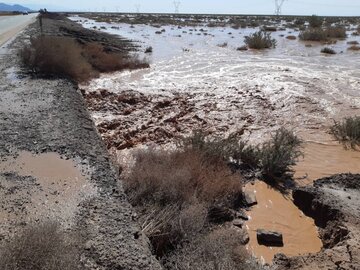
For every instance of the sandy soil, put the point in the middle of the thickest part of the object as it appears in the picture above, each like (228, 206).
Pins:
(54, 164)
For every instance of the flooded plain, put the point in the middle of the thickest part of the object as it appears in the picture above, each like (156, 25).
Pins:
(199, 80)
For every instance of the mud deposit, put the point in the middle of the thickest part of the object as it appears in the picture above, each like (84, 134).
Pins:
(277, 212)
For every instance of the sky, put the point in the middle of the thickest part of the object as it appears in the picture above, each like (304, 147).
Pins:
(290, 7)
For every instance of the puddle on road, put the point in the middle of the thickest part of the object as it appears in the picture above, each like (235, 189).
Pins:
(275, 212)
(58, 189)
(325, 159)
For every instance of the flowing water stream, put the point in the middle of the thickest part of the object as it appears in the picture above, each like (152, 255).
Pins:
(257, 91)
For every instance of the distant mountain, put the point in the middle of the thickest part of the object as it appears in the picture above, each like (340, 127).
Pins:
(5, 7)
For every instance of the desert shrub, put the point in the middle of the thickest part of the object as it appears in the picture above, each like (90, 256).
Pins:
(65, 57)
(328, 50)
(319, 34)
(59, 56)
(291, 37)
(353, 42)
(102, 61)
(336, 32)
(315, 34)
(315, 21)
(218, 250)
(260, 40)
(41, 247)
(277, 155)
(354, 48)
(149, 49)
(347, 131)
(178, 177)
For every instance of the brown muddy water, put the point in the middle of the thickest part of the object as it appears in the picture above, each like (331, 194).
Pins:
(54, 191)
(276, 212)
(221, 90)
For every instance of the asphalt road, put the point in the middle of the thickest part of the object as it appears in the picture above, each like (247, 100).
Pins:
(10, 26)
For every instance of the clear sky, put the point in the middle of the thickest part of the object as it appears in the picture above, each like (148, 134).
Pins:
(291, 7)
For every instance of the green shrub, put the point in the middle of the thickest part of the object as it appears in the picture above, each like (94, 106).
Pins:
(279, 154)
(328, 50)
(260, 40)
(347, 131)
(315, 21)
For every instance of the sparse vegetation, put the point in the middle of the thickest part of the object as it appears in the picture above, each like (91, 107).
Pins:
(314, 34)
(319, 34)
(315, 21)
(347, 131)
(354, 48)
(260, 40)
(41, 247)
(328, 50)
(219, 250)
(65, 57)
(177, 188)
(149, 49)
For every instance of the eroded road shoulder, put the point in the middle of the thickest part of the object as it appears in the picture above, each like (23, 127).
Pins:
(54, 164)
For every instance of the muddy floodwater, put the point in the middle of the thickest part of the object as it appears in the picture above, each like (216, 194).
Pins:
(276, 212)
(202, 81)
(39, 187)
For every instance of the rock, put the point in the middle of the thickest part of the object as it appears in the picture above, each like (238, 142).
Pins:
(245, 238)
(250, 198)
(218, 214)
(269, 238)
(242, 215)
(238, 222)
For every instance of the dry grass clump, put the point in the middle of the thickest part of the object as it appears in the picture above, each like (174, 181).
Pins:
(347, 131)
(180, 177)
(219, 250)
(40, 247)
(174, 191)
(260, 40)
(65, 57)
(57, 56)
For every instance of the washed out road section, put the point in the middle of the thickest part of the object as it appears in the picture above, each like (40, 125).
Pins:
(10, 26)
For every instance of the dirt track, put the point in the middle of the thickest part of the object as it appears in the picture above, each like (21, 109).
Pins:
(39, 116)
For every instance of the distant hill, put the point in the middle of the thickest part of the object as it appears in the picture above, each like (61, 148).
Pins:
(5, 7)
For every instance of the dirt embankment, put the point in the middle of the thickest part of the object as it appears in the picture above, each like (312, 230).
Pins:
(41, 117)
(334, 203)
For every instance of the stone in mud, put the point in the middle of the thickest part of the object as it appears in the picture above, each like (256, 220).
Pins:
(238, 222)
(250, 198)
(242, 215)
(269, 238)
